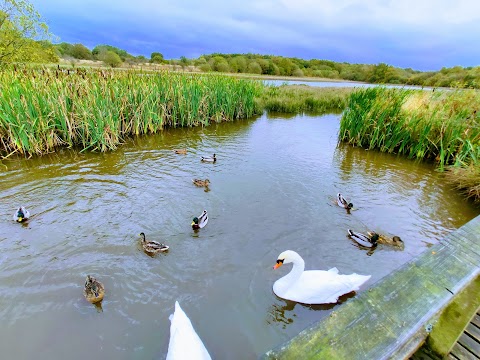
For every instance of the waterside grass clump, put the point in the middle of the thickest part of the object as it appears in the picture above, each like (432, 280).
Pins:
(443, 126)
(301, 98)
(43, 109)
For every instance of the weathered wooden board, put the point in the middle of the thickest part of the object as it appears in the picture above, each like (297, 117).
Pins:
(463, 354)
(476, 320)
(469, 343)
(474, 332)
(389, 320)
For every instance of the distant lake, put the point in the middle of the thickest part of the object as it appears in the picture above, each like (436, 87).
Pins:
(337, 84)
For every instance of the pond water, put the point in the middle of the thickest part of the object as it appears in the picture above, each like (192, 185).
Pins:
(339, 84)
(272, 189)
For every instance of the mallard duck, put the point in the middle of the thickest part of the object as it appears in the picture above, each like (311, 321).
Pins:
(201, 221)
(184, 341)
(314, 286)
(152, 247)
(94, 290)
(180, 151)
(386, 240)
(202, 183)
(364, 240)
(209, 159)
(21, 214)
(343, 203)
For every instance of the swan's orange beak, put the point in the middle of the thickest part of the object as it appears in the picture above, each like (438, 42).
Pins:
(277, 265)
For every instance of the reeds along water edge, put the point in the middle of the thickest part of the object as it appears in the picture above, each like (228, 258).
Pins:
(97, 109)
(443, 126)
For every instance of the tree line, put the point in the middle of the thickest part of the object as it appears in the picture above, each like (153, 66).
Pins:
(20, 24)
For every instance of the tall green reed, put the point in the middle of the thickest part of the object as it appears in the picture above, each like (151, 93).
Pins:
(97, 110)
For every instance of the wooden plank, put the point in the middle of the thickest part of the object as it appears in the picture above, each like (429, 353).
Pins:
(473, 331)
(461, 353)
(476, 320)
(452, 357)
(469, 343)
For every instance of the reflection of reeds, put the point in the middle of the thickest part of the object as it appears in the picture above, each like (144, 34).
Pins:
(297, 99)
(97, 110)
(441, 126)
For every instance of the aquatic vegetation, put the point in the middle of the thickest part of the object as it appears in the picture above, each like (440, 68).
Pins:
(297, 99)
(98, 109)
(442, 126)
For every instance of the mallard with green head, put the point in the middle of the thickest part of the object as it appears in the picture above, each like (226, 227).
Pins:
(209, 159)
(21, 214)
(201, 221)
(94, 290)
(366, 241)
(343, 203)
(152, 247)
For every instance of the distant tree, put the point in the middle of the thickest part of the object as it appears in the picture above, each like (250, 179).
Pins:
(141, 59)
(254, 68)
(111, 58)
(297, 72)
(79, 51)
(64, 49)
(184, 62)
(20, 23)
(156, 58)
(99, 50)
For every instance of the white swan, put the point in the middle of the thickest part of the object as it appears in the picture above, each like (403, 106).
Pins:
(314, 286)
(184, 341)
(21, 214)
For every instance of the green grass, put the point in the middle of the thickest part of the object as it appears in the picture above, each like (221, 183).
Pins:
(300, 98)
(43, 109)
(442, 126)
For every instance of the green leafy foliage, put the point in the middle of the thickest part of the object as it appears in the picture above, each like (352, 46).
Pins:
(20, 25)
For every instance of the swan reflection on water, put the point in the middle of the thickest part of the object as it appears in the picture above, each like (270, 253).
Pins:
(280, 312)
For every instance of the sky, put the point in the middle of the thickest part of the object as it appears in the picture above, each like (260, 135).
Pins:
(419, 34)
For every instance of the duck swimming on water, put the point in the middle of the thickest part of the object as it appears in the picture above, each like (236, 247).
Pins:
(94, 290)
(21, 214)
(152, 247)
(343, 203)
(209, 159)
(201, 221)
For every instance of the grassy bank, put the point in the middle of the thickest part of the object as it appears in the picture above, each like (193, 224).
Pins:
(441, 126)
(97, 110)
(299, 98)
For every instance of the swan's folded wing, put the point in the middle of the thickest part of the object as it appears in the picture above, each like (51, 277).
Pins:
(184, 342)
(324, 287)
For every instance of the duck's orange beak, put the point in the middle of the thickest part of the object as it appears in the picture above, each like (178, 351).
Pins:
(277, 265)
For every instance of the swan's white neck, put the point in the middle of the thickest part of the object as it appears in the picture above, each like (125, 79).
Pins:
(288, 280)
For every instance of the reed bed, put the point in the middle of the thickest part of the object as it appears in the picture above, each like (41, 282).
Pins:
(443, 126)
(300, 98)
(43, 109)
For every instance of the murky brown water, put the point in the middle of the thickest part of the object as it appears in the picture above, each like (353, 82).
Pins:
(271, 190)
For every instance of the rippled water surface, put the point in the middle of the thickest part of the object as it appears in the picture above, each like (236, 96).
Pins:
(272, 189)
